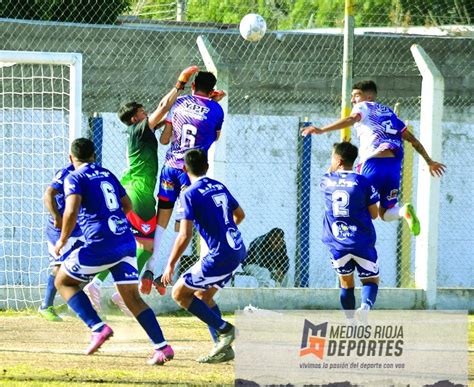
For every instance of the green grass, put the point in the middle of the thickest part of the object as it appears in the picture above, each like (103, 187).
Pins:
(35, 352)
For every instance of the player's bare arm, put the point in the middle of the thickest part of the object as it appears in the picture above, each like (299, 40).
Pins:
(374, 211)
(163, 107)
(126, 204)
(73, 204)
(51, 205)
(336, 125)
(436, 169)
(169, 99)
(165, 136)
(181, 243)
(238, 215)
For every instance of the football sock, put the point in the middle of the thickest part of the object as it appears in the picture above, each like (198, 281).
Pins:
(392, 214)
(151, 262)
(149, 323)
(369, 293)
(50, 293)
(80, 304)
(200, 309)
(212, 331)
(142, 258)
(347, 299)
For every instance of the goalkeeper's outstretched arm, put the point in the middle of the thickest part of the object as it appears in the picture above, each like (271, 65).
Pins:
(168, 100)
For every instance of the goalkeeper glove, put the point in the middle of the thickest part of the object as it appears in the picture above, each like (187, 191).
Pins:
(185, 76)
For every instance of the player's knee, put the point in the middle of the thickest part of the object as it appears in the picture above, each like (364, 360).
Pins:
(180, 297)
(176, 294)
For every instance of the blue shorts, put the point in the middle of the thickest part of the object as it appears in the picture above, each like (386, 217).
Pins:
(213, 270)
(345, 262)
(384, 174)
(172, 181)
(85, 262)
(72, 244)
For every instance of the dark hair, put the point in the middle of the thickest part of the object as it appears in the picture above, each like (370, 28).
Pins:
(365, 86)
(195, 161)
(205, 81)
(82, 149)
(347, 151)
(276, 233)
(127, 111)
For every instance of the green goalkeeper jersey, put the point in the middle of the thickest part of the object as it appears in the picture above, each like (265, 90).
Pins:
(142, 157)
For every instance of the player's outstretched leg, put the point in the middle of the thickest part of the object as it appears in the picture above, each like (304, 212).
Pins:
(409, 214)
(163, 352)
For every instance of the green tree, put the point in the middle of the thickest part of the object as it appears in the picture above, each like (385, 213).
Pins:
(79, 11)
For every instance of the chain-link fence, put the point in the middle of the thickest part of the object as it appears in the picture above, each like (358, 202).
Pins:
(292, 73)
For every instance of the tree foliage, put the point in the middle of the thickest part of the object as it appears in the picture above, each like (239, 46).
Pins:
(294, 14)
(279, 14)
(79, 11)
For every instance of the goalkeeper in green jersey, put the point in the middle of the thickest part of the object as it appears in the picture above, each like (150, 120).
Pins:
(140, 178)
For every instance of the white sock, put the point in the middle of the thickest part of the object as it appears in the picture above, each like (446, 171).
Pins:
(151, 263)
(393, 213)
(96, 282)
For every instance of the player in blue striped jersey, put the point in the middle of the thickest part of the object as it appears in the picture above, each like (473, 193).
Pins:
(98, 202)
(214, 211)
(193, 122)
(350, 205)
(54, 202)
(381, 134)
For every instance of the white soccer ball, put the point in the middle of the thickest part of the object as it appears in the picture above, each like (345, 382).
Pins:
(253, 27)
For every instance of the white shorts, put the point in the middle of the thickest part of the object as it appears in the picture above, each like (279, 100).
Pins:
(124, 269)
(72, 244)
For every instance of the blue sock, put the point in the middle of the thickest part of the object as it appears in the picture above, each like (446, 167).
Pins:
(212, 331)
(348, 301)
(81, 304)
(50, 293)
(204, 313)
(149, 323)
(369, 293)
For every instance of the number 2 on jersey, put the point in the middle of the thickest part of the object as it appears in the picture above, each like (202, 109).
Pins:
(221, 201)
(340, 203)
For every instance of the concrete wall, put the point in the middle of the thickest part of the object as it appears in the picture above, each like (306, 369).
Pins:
(272, 85)
(283, 72)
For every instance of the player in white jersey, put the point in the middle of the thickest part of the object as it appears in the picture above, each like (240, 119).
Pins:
(381, 134)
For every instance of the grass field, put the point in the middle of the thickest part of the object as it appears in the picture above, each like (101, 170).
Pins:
(35, 352)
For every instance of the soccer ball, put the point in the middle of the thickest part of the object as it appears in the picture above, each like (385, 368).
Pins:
(252, 27)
